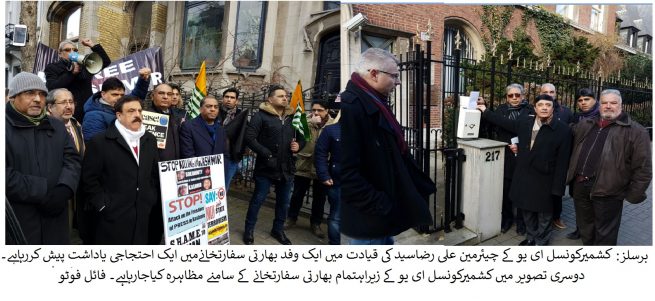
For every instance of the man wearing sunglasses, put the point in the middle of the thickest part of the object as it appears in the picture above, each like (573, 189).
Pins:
(70, 75)
(514, 107)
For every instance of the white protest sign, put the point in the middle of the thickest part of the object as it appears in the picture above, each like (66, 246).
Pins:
(194, 201)
(157, 124)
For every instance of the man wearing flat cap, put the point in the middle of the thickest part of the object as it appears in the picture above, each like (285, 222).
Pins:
(543, 158)
(42, 164)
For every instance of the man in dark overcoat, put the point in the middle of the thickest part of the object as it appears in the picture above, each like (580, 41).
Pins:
(515, 107)
(70, 75)
(543, 158)
(204, 135)
(42, 166)
(120, 179)
(383, 192)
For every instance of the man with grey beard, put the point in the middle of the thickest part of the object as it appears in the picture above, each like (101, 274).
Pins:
(611, 162)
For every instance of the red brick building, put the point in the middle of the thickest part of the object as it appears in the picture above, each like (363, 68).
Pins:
(395, 26)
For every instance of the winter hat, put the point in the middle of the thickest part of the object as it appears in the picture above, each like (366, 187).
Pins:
(26, 81)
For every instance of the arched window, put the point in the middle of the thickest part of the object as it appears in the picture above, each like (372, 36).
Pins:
(141, 26)
(71, 25)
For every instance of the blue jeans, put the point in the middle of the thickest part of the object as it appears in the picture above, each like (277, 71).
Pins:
(387, 240)
(334, 219)
(232, 167)
(262, 187)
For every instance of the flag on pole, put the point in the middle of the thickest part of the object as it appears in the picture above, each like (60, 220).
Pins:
(299, 118)
(199, 92)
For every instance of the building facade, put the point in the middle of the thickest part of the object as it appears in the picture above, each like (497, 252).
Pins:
(397, 27)
(247, 44)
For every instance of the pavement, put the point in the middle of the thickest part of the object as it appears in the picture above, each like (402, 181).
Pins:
(636, 227)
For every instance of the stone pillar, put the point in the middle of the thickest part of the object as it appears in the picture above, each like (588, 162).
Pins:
(482, 186)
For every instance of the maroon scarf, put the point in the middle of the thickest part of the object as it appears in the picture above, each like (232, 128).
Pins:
(380, 101)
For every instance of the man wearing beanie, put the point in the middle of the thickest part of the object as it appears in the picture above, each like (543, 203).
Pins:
(42, 164)
(542, 161)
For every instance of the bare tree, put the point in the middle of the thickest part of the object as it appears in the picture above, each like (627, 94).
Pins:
(28, 17)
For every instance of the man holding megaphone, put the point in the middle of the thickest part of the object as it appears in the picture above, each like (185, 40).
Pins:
(75, 71)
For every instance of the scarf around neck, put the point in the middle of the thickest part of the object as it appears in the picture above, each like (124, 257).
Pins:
(380, 101)
(594, 112)
(35, 120)
(131, 137)
(229, 114)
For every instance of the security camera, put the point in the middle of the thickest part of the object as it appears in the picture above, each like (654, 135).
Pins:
(356, 22)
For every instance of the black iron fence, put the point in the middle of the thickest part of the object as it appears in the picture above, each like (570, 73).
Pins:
(425, 104)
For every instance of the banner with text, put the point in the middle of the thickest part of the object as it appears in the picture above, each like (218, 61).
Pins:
(126, 69)
(194, 201)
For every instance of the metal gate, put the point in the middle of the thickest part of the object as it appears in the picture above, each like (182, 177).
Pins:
(415, 107)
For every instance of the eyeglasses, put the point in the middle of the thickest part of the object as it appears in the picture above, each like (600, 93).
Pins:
(164, 93)
(69, 49)
(33, 93)
(514, 95)
(392, 75)
(68, 102)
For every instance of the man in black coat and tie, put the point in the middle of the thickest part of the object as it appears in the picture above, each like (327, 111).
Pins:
(120, 177)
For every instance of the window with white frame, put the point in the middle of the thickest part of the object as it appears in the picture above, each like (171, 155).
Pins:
(203, 34)
(598, 18)
(71, 25)
(568, 11)
(249, 38)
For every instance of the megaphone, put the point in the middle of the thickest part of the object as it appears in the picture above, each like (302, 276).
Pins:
(91, 62)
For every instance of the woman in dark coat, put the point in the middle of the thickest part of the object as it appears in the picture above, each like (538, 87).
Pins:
(543, 157)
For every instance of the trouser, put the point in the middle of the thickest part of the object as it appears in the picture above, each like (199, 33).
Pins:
(598, 220)
(156, 225)
(557, 206)
(319, 191)
(262, 187)
(538, 226)
(231, 170)
(334, 219)
(507, 215)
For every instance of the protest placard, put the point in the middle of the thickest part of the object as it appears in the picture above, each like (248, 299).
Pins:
(156, 124)
(194, 202)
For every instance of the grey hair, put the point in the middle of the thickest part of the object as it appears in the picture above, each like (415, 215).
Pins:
(50, 98)
(549, 85)
(374, 58)
(615, 92)
(64, 42)
(515, 86)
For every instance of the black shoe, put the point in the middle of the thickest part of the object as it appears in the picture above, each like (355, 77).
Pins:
(281, 237)
(574, 235)
(520, 230)
(248, 238)
(527, 242)
(505, 227)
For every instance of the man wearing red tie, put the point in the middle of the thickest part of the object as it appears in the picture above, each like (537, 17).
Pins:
(120, 178)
